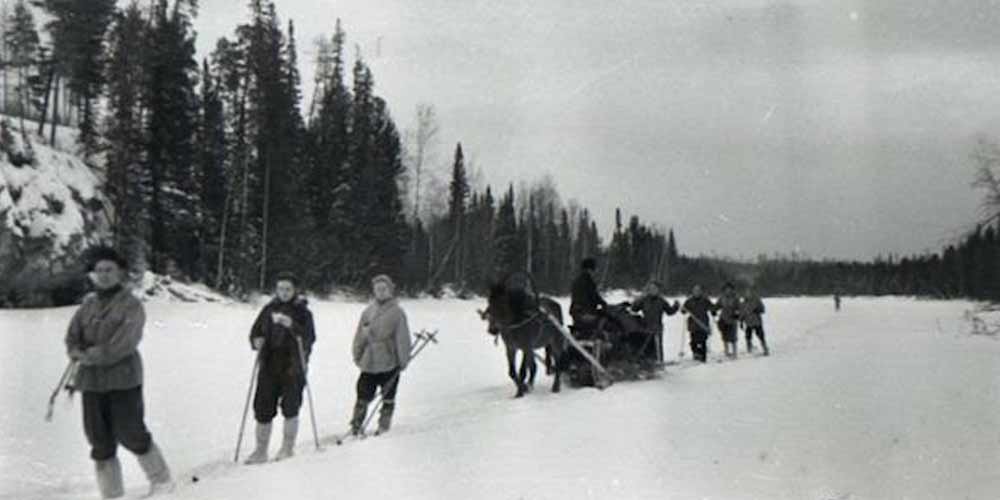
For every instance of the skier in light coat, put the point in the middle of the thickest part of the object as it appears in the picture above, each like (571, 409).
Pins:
(752, 308)
(103, 339)
(381, 350)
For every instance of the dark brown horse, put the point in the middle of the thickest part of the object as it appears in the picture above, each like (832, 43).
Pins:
(522, 321)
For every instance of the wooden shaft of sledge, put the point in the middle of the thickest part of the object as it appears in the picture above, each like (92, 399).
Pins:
(576, 344)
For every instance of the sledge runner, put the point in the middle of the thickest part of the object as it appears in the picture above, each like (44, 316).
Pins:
(381, 349)
(103, 339)
(751, 310)
(729, 315)
(698, 308)
(586, 305)
(283, 327)
(653, 307)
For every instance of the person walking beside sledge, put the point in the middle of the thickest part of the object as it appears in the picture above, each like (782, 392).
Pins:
(586, 304)
(103, 340)
(751, 310)
(653, 307)
(381, 350)
(283, 336)
(729, 317)
(698, 308)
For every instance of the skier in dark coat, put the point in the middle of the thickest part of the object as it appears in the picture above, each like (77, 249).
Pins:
(103, 340)
(698, 308)
(586, 305)
(653, 307)
(729, 318)
(283, 335)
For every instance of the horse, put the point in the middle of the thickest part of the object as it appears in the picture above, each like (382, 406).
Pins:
(523, 322)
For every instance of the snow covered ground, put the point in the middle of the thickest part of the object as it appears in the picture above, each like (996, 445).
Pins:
(890, 398)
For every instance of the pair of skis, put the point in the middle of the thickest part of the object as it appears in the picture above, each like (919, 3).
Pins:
(424, 338)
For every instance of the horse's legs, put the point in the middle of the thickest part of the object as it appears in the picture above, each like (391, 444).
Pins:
(529, 359)
(512, 370)
(557, 367)
(522, 385)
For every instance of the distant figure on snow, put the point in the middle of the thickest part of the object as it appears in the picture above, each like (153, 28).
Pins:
(836, 302)
(586, 305)
(283, 335)
(381, 350)
(752, 308)
(103, 339)
(729, 316)
(653, 307)
(698, 308)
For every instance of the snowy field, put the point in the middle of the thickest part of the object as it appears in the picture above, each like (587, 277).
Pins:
(888, 399)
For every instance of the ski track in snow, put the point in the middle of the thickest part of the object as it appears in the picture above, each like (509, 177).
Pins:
(886, 399)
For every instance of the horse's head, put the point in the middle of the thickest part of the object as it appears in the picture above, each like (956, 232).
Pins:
(498, 310)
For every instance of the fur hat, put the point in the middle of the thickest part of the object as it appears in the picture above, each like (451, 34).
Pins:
(102, 253)
(589, 263)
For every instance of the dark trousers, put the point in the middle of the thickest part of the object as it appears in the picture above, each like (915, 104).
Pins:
(759, 331)
(699, 345)
(386, 381)
(272, 389)
(114, 417)
(728, 331)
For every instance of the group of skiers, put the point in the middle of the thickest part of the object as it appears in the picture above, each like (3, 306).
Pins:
(587, 307)
(102, 344)
(103, 337)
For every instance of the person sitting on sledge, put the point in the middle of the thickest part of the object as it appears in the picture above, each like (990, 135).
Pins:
(586, 306)
(653, 307)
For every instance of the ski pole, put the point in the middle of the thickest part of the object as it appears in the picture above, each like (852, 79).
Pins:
(246, 405)
(63, 380)
(312, 412)
(423, 338)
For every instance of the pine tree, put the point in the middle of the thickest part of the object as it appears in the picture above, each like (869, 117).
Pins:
(127, 179)
(21, 39)
(211, 164)
(459, 193)
(77, 29)
(171, 105)
(328, 168)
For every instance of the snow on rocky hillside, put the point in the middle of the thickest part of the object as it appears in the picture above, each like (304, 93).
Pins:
(50, 210)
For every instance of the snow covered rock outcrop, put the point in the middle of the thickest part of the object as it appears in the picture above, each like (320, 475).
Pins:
(51, 209)
(155, 286)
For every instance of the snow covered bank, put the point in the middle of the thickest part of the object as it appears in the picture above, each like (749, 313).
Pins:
(890, 398)
(50, 210)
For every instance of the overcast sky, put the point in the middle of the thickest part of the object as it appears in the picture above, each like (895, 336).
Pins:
(840, 129)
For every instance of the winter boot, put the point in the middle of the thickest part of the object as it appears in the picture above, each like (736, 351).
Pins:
(358, 419)
(259, 454)
(156, 470)
(291, 431)
(767, 352)
(109, 477)
(385, 416)
(749, 345)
